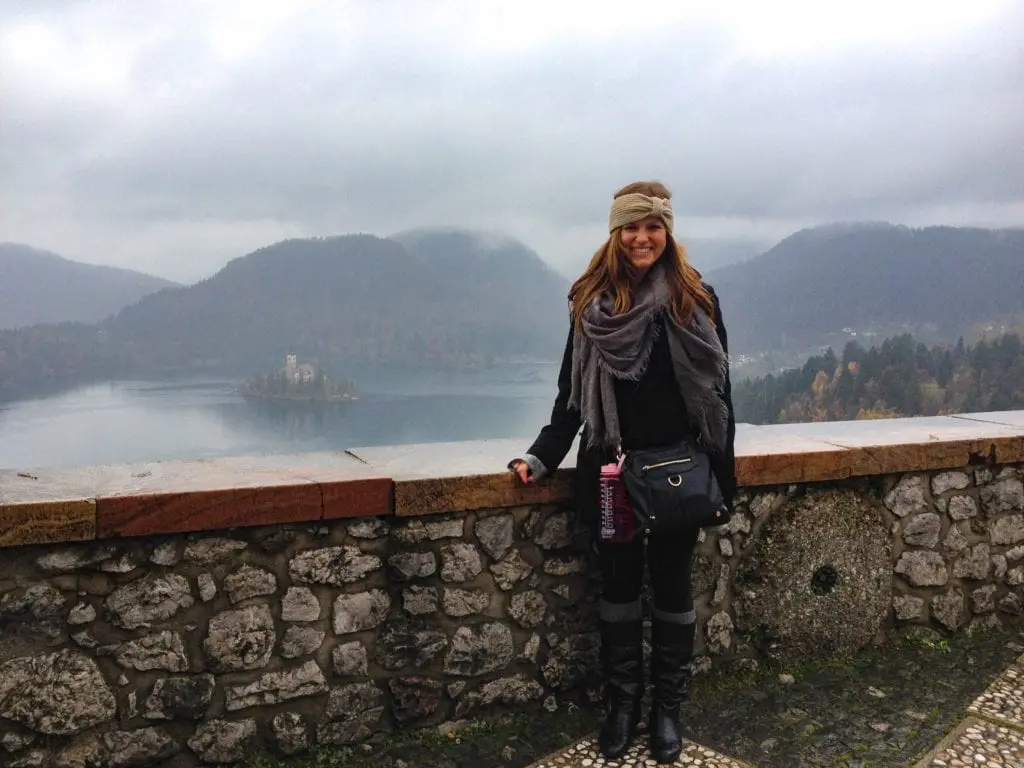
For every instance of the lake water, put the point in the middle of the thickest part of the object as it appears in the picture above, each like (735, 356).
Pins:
(203, 416)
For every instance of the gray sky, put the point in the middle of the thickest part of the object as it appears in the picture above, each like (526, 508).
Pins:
(173, 136)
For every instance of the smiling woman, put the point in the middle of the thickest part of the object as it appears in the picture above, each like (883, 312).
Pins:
(645, 369)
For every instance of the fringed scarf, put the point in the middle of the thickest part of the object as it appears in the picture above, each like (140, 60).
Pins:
(609, 346)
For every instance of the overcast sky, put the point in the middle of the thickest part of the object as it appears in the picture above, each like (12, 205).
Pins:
(173, 136)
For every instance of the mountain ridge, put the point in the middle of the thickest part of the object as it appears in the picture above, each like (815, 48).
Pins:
(39, 286)
(824, 279)
(448, 297)
(355, 297)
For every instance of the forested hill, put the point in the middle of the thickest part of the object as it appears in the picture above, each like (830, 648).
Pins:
(897, 378)
(871, 276)
(427, 298)
(423, 298)
(37, 286)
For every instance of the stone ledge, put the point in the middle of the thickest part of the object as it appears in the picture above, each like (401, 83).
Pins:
(86, 503)
(430, 478)
(183, 496)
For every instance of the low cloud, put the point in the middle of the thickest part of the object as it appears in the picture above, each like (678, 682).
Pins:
(171, 137)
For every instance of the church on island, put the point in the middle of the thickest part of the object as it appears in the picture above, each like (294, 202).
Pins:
(298, 381)
(298, 374)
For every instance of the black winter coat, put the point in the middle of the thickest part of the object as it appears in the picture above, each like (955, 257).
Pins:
(651, 413)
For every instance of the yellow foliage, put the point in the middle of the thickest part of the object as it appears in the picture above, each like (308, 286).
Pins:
(820, 385)
(877, 413)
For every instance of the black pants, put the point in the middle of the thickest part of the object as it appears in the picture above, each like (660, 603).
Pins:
(669, 559)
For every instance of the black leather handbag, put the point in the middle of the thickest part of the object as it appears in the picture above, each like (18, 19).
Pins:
(674, 488)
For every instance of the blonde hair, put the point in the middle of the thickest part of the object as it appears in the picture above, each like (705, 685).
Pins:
(610, 272)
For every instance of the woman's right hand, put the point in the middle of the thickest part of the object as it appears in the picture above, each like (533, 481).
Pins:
(521, 470)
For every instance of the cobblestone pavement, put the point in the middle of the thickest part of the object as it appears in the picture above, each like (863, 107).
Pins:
(585, 754)
(992, 736)
(926, 702)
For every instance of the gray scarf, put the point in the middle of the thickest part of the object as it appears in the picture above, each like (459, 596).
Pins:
(610, 346)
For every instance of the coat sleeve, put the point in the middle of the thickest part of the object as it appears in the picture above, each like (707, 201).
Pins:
(725, 465)
(556, 438)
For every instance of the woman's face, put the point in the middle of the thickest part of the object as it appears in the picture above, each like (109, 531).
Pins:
(644, 242)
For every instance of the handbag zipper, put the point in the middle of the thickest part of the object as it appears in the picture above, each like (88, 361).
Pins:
(648, 467)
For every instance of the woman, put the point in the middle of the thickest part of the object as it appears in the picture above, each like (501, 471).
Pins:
(645, 365)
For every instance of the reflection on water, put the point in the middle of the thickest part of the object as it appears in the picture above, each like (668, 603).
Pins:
(293, 421)
(202, 417)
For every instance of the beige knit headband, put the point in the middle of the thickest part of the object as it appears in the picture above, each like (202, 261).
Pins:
(637, 206)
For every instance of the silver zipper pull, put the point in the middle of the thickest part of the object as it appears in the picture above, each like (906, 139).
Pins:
(647, 467)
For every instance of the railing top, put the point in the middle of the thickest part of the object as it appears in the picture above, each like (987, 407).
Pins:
(47, 505)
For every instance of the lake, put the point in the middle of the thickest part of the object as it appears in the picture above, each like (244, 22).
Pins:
(203, 416)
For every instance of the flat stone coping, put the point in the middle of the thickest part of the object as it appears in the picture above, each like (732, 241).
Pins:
(49, 505)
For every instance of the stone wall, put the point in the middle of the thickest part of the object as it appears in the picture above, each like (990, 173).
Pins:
(826, 569)
(277, 638)
(208, 647)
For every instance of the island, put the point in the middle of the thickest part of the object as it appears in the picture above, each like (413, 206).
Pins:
(300, 382)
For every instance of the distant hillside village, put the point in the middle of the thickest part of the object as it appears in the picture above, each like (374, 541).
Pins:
(298, 381)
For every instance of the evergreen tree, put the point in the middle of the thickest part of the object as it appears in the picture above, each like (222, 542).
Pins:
(897, 378)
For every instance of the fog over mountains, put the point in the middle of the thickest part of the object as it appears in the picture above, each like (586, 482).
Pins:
(37, 286)
(448, 297)
(872, 276)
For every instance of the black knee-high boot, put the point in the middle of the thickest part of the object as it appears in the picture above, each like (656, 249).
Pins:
(622, 660)
(671, 652)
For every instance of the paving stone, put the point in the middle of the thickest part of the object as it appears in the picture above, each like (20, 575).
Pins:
(981, 744)
(584, 754)
(1004, 698)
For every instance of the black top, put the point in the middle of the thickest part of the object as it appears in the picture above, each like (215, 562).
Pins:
(652, 412)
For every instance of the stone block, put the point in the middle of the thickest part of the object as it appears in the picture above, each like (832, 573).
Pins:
(414, 698)
(479, 649)
(949, 608)
(149, 600)
(923, 569)
(460, 562)
(351, 714)
(495, 534)
(223, 741)
(299, 604)
(47, 522)
(922, 530)
(240, 639)
(180, 698)
(332, 566)
(248, 582)
(277, 687)
(360, 611)
(349, 659)
(907, 497)
(138, 748)
(290, 733)
(56, 694)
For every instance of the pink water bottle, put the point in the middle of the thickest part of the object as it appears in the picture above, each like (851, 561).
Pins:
(618, 526)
